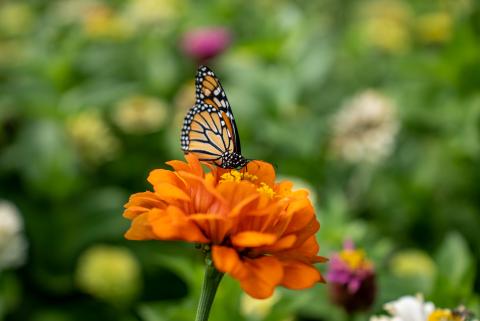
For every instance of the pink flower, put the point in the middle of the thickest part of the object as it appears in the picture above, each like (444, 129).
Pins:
(351, 279)
(205, 43)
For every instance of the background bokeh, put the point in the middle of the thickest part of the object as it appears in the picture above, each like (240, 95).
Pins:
(372, 105)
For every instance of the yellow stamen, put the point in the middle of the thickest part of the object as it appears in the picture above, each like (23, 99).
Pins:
(232, 176)
(355, 259)
(266, 190)
(443, 315)
(249, 177)
(236, 176)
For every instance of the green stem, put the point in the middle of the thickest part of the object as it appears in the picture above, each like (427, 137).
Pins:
(209, 288)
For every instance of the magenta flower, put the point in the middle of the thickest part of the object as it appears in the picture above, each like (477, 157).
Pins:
(351, 279)
(205, 43)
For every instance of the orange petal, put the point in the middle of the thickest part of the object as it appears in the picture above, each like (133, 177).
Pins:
(133, 211)
(169, 192)
(158, 176)
(298, 275)
(282, 244)
(300, 193)
(264, 274)
(309, 247)
(192, 165)
(227, 260)
(283, 188)
(318, 259)
(235, 192)
(210, 180)
(302, 213)
(204, 197)
(140, 229)
(173, 224)
(247, 205)
(214, 226)
(261, 208)
(179, 165)
(140, 203)
(239, 196)
(253, 239)
(308, 231)
(264, 171)
(305, 251)
(196, 167)
(258, 277)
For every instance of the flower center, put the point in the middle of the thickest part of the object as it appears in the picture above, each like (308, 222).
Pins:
(236, 176)
(266, 190)
(355, 259)
(443, 315)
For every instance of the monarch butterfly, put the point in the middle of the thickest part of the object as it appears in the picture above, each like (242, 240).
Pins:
(209, 130)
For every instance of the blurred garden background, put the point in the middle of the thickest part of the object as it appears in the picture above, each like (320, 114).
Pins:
(372, 105)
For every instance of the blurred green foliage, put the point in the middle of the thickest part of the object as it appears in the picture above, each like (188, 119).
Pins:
(92, 95)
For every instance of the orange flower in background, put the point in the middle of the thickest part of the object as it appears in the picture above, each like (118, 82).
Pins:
(260, 232)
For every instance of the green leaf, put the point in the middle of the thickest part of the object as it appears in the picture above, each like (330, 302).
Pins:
(456, 272)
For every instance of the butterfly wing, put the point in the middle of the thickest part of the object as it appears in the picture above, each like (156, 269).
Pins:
(209, 91)
(206, 134)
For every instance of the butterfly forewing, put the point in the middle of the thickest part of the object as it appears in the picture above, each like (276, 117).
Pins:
(209, 91)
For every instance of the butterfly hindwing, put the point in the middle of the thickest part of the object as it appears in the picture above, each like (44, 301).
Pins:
(205, 133)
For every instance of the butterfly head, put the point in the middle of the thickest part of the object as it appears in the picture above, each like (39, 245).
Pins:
(233, 161)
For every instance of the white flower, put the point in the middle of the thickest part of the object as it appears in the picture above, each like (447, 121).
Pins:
(407, 308)
(364, 129)
(410, 308)
(414, 308)
(12, 241)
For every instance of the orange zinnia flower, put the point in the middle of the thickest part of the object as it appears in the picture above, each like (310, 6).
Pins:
(260, 232)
